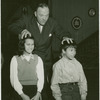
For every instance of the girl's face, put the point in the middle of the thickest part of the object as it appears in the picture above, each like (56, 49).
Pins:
(70, 52)
(29, 46)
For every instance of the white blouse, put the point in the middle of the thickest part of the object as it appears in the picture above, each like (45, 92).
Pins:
(14, 77)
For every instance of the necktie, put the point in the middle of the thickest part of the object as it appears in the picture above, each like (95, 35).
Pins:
(40, 28)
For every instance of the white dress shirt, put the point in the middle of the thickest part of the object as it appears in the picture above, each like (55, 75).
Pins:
(40, 27)
(14, 73)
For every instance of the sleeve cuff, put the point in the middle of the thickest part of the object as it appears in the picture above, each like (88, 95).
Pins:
(39, 90)
(20, 92)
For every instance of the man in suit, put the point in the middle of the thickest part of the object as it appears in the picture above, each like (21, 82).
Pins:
(42, 28)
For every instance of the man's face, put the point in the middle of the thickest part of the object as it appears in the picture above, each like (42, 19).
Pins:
(42, 15)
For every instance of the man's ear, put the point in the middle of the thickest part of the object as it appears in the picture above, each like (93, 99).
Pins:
(35, 13)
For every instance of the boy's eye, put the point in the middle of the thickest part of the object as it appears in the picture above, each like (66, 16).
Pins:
(28, 44)
(71, 49)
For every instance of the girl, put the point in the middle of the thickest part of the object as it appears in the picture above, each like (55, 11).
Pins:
(26, 72)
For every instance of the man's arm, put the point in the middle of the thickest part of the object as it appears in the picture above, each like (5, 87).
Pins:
(61, 34)
(17, 27)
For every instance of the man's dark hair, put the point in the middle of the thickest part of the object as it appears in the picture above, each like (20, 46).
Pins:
(42, 5)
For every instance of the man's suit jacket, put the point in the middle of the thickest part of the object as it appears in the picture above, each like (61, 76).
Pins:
(43, 41)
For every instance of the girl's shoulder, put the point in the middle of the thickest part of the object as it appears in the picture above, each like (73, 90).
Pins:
(35, 56)
(16, 57)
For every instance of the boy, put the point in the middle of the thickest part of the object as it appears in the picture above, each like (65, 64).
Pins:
(68, 79)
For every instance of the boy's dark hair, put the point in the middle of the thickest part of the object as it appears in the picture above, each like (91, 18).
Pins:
(21, 46)
(65, 45)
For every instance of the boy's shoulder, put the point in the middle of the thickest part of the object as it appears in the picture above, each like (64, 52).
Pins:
(77, 61)
(58, 62)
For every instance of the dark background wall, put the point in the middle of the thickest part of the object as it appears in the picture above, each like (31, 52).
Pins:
(87, 36)
(65, 10)
(12, 9)
(62, 10)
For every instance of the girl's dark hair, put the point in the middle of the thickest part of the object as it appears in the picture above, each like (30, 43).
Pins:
(21, 46)
(65, 45)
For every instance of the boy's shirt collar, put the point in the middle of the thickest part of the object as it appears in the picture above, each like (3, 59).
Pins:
(67, 59)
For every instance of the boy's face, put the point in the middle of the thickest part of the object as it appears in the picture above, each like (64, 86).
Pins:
(70, 52)
(29, 46)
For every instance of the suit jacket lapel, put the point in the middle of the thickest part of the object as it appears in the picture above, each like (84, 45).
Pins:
(45, 33)
(36, 31)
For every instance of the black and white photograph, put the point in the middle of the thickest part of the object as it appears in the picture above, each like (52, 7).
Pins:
(49, 49)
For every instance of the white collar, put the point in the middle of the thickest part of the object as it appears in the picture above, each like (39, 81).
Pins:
(24, 56)
(39, 25)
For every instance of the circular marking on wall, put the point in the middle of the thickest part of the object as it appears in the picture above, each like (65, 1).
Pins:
(76, 22)
(92, 12)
